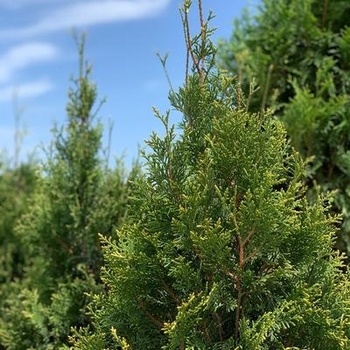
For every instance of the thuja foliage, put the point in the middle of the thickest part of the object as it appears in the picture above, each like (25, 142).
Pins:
(77, 197)
(16, 186)
(223, 251)
(298, 52)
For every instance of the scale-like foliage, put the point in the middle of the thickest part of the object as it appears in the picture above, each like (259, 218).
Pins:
(76, 198)
(298, 53)
(16, 187)
(223, 251)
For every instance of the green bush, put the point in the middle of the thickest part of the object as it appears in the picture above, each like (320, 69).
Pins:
(16, 187)
(298, 53)
(222, 251)
(76, 198)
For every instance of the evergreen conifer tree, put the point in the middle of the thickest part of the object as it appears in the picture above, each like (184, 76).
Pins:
(77, 198)
(16, 186)
(298, 52)
(223, 250)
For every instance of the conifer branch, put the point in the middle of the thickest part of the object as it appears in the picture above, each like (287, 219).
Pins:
(188, 40)
(251, 255)
(206, 333)
(187, 50)
(237, 278)
(163, 63)
(219, 324)
(248, 238)
(239, 96)
(109, 144)
(238, 307)
(171, 292)
(158, 323)
(201, 21)
(267, 87)
(238, 286)
(240, 251)
(324, 13)
(203, 39)
(64, 246)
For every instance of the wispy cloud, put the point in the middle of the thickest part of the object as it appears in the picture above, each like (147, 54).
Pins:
(25, 90)
(21, 56)
(87, 13)
(20, 4)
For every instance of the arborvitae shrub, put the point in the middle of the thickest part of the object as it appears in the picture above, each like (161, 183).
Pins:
(77, 197)
(16, 187)
(223, 250)
(298, 53)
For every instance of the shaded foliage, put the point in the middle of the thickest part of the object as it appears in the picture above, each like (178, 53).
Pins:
(298, 53)
(16, 187)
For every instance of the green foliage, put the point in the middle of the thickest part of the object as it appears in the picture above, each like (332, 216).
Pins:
(222, 251)
(16, 187)
(76, 198)
(298, 53)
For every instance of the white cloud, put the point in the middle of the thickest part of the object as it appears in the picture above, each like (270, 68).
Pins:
(24, 55)
(25, 90)
(19, 4)
(87, 13)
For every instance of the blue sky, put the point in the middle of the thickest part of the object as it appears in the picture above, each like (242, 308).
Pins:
(38, 56)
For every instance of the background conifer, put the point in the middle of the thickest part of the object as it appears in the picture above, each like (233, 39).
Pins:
(77, 197)
(298, 53)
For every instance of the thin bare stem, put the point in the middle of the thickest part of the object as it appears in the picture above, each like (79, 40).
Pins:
(200, 9)
(206, 333)
(188, 37)
(171, 293)
(238, 308)
(249, 237)
(150, 316)
(219, 323)
(187, 50)
(163, 62)
(324, 13)
(267, 86)
(109, 143)
(203, 39)
(239, 96)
